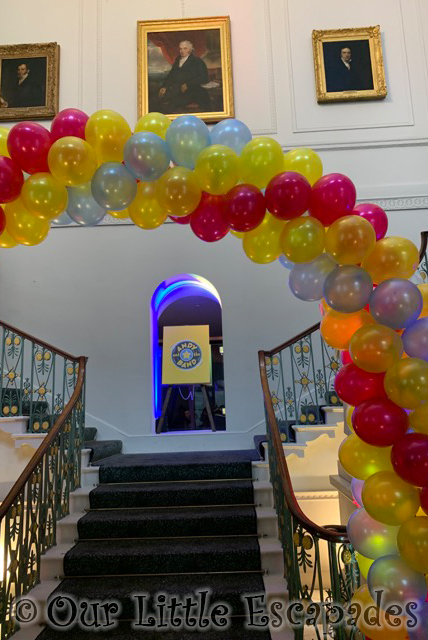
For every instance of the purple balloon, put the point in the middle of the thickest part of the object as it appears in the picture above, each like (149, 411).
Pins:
(420, 632)
(415, 339)
(356, 488)
(396, 303)
(375, 215)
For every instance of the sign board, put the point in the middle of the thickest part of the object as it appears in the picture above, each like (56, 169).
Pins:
(186, 355)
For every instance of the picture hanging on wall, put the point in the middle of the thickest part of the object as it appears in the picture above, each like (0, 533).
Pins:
(349, 64)
(29, 81)
(185, 66)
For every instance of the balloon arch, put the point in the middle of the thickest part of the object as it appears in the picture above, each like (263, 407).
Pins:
(338, 253)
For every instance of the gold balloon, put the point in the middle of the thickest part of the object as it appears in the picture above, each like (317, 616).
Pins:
(6, 240)
(364, 564)
(338, 328)
(262, 243)
(217, 169)
(107, 132)
(4, 132)
(392, 257)
(302, 239)
(412, 543)
(237, 234)
(72, 161)
(304, 161)
(44, 196)
(145, 210)
(423, 288)
(380, 629)
(406, 383)
(350, 239)
(362, 460)
(348, 417)
(119, 215)
(389, 499)
(178, 191)
(154, 122)
(261, 160)
(375, 348)
(23, 227)
(418, 418)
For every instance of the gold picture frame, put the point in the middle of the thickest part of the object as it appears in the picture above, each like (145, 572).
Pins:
(202, 84)
(29, 81)
(355, 74)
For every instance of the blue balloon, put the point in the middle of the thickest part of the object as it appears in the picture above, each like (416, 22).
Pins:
(415, 339)
(82, 208)
(348, 288)
(186, 137)
(420, 632)
(285, 262)
(396, 303)
(307, 279)
(62, 220)
(113, 186)
(146, 156)
(231, 133)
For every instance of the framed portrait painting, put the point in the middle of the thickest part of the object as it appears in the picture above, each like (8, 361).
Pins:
(185, 67)
(349, 64)
(29, 81)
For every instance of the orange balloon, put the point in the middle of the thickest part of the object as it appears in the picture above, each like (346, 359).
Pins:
(350, 239)
(375, 348)
(338, 328)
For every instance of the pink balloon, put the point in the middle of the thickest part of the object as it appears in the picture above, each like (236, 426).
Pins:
(375, 215)
(208, 221)
(345, 357)
(2, 220)
(69, 122)
(409, 457)
(28, 144)
(182, 219)
(288, 195)
(333, 196)
(11, 180)
(245, 207)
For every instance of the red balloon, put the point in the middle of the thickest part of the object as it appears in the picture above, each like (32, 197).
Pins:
(245, 207)
(375, 215)
(355, 386)
(288, 195)
(182, 220)
(380, 422)
(424, 499)
(333, 196)
(2, 220)
(11, 180)
(208, 221)
(409, 457)
(345, 357)
(28, 144)
(69, 122)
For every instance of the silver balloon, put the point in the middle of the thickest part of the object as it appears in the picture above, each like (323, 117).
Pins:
(113, 186)
(399, 583)
(348, 288)
(396, 303)
(146, 156)
(231, 133)
(186, 137)
(371, 538)
(82, 208)
(62, 220)
(307, 279)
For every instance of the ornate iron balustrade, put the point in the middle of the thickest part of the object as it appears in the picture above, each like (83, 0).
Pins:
(40, 497)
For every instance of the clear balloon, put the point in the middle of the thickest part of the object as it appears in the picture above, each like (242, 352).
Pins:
(375, 215)
(113, 186)
(415, 339)
(23, 227)
(145, 210)
(396, 303)
(69, 122)
(262, 244)
(418, 419)
(288, 195)
(376, 627)
(82, 207)
(333, 196)
(62, 220)
(303, 239)
(348, 288)
(28, 144)
(304, 161)
(350, 239)
(231, 133)
(409, 458)
(399, 583)
(178, 191)
(11, 180)
(107, 132)
(375, 348)
(4, 132)
(186, 137)
(245, 207)
(43, 196)
(406, 383)
(217, 169)
(72, 161)
(208, 222)
(361, 460)
(389, 499)
(261, 159)
(153, 122)
(307, 280)
(371, 538)
(338, 328)
(392, 257)
(146, 156)
(413, 543)
(356, 488)
(355, 386)
(380, 422)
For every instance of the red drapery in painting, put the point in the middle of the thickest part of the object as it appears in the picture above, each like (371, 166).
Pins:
(168, 42)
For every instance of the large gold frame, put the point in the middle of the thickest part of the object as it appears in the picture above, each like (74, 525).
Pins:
(372, 34)
(49, 50)
(220, 22)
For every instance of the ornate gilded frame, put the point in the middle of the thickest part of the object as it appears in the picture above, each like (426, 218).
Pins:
(49, 50)
(373, 35)
(194, 24)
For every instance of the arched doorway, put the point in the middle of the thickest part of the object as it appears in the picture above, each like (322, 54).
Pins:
(183, 300)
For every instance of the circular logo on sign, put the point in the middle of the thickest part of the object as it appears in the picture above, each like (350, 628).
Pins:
(186, 354)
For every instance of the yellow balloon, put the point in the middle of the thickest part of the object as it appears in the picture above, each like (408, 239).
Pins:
(237, 234)
(154, 122)
(119, 215)
(389, 499)
(145, 210)
(107, 132)
(72, 161)
(363, 609)
(4, 132)
(406, 383)
(302, 239)
(423, 288)
(23, 227)
(350, 239)
(6, 240)
(375, 348)
(44, 196)
(348, 417)
(217, 169)
(364, 564)
(418, 418)
(338, 328)
(412, 543)
(304, 161)
(392, 257)
(362, 460)
(261, 160)
(178, 191)
(262, 243)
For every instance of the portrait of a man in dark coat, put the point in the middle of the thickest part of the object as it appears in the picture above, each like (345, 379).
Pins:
(347, 66)
(23, 83)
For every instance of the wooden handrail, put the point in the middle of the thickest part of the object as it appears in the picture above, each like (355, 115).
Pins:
(42, 343)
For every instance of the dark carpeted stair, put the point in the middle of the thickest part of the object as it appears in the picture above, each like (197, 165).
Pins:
(89, 433)
(101, 449)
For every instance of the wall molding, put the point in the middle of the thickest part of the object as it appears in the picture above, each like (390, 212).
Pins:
(271, 74)
(99, 45)
(80, 55)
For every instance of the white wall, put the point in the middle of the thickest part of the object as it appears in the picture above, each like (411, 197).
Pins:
(88, 290)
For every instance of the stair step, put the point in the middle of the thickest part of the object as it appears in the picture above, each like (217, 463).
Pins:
(102, 449)
(89, 433)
